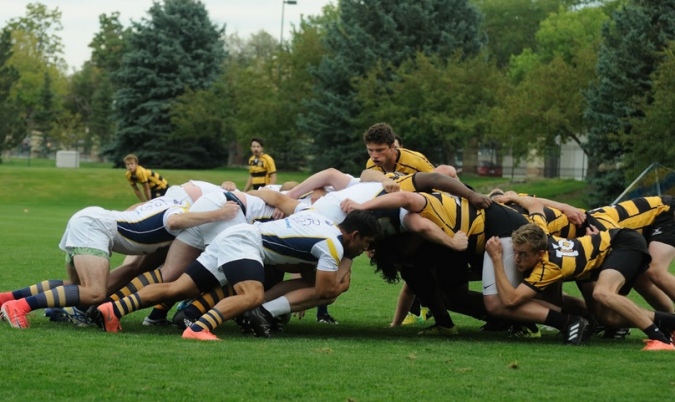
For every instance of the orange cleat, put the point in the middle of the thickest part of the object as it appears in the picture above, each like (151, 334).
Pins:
(653, 344)
(15, 312)
(204, 335)
(110, 322)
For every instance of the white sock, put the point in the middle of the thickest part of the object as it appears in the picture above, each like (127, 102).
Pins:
(278, 306)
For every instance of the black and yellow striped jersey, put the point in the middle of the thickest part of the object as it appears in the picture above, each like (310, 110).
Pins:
(453, 214)
(558, 224)
(568, 259)
(260, 168)
(141, 175)
(637, 214)
(407, 162)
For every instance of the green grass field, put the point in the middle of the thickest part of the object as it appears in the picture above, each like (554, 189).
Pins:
(361, 359)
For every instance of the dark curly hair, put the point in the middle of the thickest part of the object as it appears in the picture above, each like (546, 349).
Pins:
(380, 133)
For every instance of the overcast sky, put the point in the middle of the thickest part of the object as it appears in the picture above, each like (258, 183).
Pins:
(80, 18)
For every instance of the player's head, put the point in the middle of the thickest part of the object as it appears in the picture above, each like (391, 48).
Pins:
(359, 229)
(529, 244)
(288, 186)
(379, 139)
(398, 141)
(257, 146)
(131, 162)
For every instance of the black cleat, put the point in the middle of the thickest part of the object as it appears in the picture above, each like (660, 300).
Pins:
(279, 322)
(576, 331)
(326, 319)
(260, 321)
(244, 323)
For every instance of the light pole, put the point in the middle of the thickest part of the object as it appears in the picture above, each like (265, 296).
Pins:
(283, 6)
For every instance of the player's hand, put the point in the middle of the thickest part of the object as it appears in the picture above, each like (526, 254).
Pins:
(479, 201)
(591, 230)
(576, 216)
(349, 205)
(299, 314)
(228, 186)
(390, 186)
(494, 248)
(460, 241)
(278, 214)
(229, 210)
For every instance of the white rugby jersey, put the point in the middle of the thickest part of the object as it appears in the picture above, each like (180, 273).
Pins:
(143, 230)
(304, 237)
(329, 205)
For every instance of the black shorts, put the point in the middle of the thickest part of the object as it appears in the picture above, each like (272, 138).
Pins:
(158, 192)
(663, 228)
(629, 256)
(501, 221)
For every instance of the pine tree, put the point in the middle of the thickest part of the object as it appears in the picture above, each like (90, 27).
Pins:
(44, 117)
(176, 49)
(12, 124)
(633, 40)
(368, 32)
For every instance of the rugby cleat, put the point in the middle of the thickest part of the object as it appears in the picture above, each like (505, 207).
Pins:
(576, 331)
(15, 312)
(109, 322)
(260, 321)
(160, 322)
(653, 344)
(521, 331)
(326, 319)
(437, 330)
(412, 319)
(57, 314)
(203, 335)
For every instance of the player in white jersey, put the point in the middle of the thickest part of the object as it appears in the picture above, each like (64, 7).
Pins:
(236, 257)
(91, 235)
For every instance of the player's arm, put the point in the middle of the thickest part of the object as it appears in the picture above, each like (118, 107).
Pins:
(412, 202)
(510, 296)
(331, 284)
(273, 178)
(271, 170)
(137, 192)
(435, 181)
(274, 198)
(431, 232)
(178, 221)
(405, 301)
(329, 177)
(146, 190)
(389, 185)
(531, 204)
(249, 184)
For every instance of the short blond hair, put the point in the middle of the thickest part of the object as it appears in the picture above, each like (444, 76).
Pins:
(532, 235)
(130, 158)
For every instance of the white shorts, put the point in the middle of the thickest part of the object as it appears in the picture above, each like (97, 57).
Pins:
(240, 242)
(329, 206)
(201, 236)
(515, 277)
(179, 194)
(91, 227)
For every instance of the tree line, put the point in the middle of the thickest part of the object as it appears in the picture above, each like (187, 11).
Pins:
(448, 75)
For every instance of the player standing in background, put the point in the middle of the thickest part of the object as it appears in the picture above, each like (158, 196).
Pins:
(154, 185)
(261, 168)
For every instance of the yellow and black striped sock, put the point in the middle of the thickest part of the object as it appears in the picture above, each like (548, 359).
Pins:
(127, 305)
(60, 296)
(138, 283)
(209, 321)
(207, 300)
(160, 311)
(36, 289)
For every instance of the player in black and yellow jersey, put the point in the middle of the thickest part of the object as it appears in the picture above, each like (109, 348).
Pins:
(613, 258)
(154, 185)
(385, 157)
(653, 217)
(261, 168)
